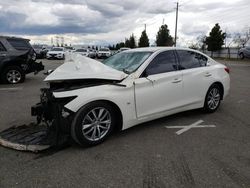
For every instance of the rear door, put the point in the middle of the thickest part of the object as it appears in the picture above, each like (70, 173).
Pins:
(197, 76)
(160, 86)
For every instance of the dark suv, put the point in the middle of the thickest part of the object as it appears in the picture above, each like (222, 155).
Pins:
(17, 58)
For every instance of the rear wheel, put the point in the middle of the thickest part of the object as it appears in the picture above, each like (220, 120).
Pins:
(93, 123)
(213, 98)
(13, 75)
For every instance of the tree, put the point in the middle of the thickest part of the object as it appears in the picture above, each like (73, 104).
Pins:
(132, 41)
(119, 45)
(216, 38)
(163, 38)
(242, 38)
(127, 42)
(143, 41)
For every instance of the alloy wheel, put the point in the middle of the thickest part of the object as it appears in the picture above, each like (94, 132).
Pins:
(213, 98)
(96, 124)
(13, 76)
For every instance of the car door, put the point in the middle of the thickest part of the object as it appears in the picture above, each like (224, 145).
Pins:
(160, 86)
(197, 76)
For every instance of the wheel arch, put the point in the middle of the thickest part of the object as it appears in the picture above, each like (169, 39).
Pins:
(220, 85)
(117, 110)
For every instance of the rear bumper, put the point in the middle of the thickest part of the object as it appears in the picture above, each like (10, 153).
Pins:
(35, 67)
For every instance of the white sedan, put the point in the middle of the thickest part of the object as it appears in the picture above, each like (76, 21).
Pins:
(82, 51)
(129, 88)
(56, 53)
(103, 53)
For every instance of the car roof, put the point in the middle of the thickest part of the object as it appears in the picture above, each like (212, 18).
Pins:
(9, 37)
(155, 49)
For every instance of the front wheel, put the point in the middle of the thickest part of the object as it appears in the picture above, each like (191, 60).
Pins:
(93, 123)
(13, 75)
(213, 99)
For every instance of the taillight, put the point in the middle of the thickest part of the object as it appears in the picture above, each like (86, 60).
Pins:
(227, 70)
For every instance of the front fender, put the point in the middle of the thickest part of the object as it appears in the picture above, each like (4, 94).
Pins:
(123, 97)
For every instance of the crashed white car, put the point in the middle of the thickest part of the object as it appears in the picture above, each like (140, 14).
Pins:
(90, 99)
(56, 53)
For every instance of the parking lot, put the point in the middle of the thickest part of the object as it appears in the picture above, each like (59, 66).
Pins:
(216, 154)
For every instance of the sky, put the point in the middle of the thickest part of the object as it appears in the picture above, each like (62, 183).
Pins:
(103, 22)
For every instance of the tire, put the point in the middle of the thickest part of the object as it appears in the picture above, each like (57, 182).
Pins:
(13, 75)
(213, 99)
(241, 55)
(85, 126)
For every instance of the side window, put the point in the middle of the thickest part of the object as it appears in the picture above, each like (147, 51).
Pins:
(2, 48)
(19, 44)
(189, 59)
(163, 62)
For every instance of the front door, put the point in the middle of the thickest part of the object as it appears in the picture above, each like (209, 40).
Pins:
(160, 87)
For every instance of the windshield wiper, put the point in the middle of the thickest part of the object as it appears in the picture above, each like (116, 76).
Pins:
(126, 71)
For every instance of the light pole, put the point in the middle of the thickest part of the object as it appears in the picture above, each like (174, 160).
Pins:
(175, 37)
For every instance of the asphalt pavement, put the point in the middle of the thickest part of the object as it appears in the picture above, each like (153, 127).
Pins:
(147, 155)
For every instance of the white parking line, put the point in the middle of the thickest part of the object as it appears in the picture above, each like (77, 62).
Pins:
(185, 128)
(11, 89)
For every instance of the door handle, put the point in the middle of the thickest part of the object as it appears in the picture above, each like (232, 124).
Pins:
(207, 74)
(176, 80)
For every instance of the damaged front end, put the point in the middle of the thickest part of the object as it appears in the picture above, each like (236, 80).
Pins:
(51, 129)
(51, 111)
(53, 118)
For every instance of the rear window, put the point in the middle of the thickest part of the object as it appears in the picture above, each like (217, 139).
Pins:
(2, 48)
(19, 44)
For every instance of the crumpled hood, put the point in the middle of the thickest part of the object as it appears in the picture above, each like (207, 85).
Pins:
(80, 67)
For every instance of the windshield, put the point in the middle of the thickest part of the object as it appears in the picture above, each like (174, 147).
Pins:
(128, 61)
(57, 49)
(104, 49)
(81, 50)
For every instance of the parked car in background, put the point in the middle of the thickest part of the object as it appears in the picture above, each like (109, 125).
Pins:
(82, 51)
(244, 52)
(69, 49)
(135, 86)
(17, 58)
(40, 50)
(56, 53)
(103, 53)
(92, 53)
